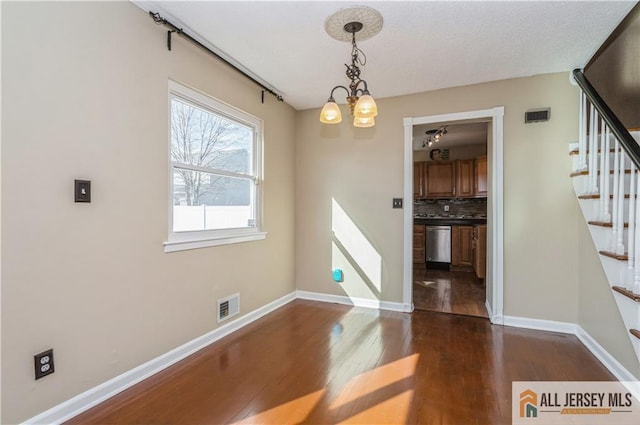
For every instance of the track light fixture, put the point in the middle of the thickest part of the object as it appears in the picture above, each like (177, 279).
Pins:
(434, 136)
(362, 106)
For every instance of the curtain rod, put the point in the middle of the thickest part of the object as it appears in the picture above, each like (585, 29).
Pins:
(172, 28)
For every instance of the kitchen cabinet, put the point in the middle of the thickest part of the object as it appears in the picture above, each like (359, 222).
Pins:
(461, 246)
(480, 250)
(481, 185)
(439, 179)
(465, 178)
(418, 244)
(418, 179)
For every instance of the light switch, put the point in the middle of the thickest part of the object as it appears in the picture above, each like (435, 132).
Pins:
(397, 202)
(82, 189)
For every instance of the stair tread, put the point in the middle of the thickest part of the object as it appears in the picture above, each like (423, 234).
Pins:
(604, 223)
(576, 151)
(626, 293)
(622, 257)
(597, 196)
(635, 333)
(586, 173)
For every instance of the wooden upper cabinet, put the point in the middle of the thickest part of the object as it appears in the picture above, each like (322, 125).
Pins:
(439, 179)
(481, 185)
(465, 178)
(418, 179)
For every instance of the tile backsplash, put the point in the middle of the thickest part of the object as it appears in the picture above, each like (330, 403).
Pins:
(472, 207)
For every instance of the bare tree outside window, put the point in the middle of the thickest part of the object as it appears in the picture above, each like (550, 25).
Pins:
(212, 169)
(215, 166)
(206, 140)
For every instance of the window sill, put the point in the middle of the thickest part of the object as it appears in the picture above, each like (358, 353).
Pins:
(173, 246)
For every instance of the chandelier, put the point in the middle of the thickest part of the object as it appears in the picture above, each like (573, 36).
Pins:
(434, 136)
(343, 26)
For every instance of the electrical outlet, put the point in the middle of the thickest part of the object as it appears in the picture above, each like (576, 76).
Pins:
(446, 208)
(43, 363)
(397, 202)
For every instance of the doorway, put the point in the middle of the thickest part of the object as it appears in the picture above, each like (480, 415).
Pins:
(450, 216)
(494, 252)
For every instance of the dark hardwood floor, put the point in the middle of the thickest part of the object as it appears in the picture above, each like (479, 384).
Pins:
(318, 363)
(457, 292)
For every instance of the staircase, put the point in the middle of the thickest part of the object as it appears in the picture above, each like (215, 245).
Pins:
(607, 183)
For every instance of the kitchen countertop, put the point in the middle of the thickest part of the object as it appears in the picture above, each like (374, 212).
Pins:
(449, 221)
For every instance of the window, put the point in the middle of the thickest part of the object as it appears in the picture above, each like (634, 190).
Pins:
(214, 172)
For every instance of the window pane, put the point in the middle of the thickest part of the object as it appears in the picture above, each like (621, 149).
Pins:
(206, 201)
(202, 138)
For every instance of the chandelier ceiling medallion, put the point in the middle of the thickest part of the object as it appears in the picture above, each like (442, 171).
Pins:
(350, 24)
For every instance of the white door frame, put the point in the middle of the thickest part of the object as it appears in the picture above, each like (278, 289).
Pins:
(495, 270)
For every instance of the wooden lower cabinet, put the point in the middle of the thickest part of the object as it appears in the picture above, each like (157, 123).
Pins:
(461, 246)
(418, 243)
(480, 250)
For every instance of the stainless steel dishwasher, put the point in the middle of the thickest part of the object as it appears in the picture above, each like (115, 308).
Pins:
(438, 244)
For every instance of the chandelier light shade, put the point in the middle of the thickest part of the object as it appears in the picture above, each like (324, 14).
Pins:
(364, 122)
(331, 113)
(366, 107)
(347, 25)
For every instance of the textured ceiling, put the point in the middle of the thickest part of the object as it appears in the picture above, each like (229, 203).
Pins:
(423, 45)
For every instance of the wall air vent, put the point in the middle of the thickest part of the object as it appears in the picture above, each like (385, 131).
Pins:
(537, 115)
(228, 307)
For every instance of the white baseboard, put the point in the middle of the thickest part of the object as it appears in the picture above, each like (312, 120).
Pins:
(489, 311)
(86, 400)
(607, 360)
(540, 325)
(357, 302)
(614, 366)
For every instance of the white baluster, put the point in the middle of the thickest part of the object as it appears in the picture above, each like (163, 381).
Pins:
(593, 153)
(605, 188)
(614, 187)
(582, 134)
(636, 235)
(620, 235)
(604, 178)
(632, 226)
(588, 187)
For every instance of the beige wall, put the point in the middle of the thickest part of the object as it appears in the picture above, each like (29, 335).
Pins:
(363, 169)
(84, 92)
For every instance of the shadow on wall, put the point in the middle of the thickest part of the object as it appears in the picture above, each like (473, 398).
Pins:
(352, 252)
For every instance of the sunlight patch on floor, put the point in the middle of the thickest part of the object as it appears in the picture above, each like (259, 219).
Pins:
(376, 379)
(292, 412)
(425, 283)
(394, 410)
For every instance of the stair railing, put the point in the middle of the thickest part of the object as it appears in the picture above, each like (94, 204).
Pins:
(599, 130)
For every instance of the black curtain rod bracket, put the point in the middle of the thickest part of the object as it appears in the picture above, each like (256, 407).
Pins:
(172, 28)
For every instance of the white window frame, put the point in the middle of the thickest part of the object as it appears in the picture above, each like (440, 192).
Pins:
(185, 240)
